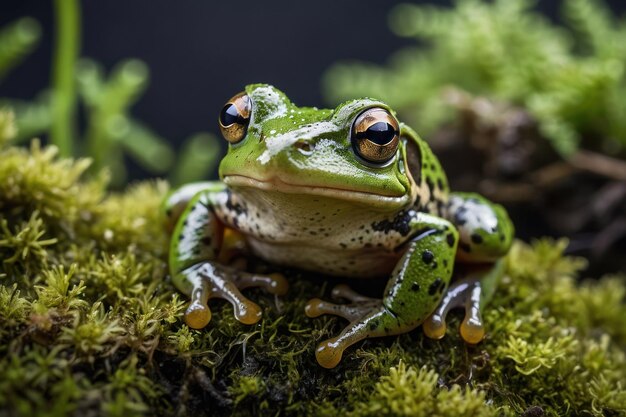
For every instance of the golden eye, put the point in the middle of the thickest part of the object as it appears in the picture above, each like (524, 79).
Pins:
(375, 135)
(234, 118)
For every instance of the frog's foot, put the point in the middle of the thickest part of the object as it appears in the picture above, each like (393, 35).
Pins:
(212, 281)
(368, 318)
(465, 293)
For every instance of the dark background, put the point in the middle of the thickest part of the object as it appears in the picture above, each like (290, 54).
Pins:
(200, 53)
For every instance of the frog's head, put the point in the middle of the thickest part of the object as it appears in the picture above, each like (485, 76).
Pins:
(356, 152)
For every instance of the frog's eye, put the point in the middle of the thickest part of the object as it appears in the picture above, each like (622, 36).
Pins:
(375, 135)
(234, 118)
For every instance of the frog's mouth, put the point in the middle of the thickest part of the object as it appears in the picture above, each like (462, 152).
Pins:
(276, 184)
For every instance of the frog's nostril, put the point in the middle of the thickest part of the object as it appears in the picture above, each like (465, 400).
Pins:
(304, 147)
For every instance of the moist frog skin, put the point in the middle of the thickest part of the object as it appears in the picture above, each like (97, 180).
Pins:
(347, 192)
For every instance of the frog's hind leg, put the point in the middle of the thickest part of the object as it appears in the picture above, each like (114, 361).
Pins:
(485, 236)
(471, 293)
(485, 230)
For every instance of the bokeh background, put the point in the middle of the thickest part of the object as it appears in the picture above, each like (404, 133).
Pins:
(200, 53)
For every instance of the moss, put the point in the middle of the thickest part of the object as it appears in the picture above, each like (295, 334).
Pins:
(90, 324)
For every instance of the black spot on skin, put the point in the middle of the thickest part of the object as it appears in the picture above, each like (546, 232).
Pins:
(477, 239)
(440, 183)
(372, 326)
(459, 216)
(464, 247)
(236, 207)
(400, 224)
(502, 237)
(343, 245)
(206, 240)
(450, 239)
(434, 265)
(431, 185)
(415, 287)
(445, 263)
(441, 287)
(440, 207)
(434, 287)
(168, 212)
(427, 256)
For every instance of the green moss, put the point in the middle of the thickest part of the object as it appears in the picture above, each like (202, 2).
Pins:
(90, 323)
(7, 127)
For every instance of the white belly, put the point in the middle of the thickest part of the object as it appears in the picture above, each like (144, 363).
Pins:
(353, 263)
(314, 233)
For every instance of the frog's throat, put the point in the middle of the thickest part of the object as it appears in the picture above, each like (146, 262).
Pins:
(275, 184)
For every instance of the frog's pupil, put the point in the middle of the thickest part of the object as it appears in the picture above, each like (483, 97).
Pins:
(380, 133)
(230, 115)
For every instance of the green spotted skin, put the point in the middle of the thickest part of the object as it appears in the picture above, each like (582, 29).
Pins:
(299, 195)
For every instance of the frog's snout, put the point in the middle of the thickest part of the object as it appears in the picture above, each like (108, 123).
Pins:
(305, 147)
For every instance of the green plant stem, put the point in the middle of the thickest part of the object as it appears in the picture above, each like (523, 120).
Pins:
(67, 44)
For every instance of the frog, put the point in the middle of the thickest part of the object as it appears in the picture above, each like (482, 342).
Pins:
(349, 192)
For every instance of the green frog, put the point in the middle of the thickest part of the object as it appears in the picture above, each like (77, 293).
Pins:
(347, 192)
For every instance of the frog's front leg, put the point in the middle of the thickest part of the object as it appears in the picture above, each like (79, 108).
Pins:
(412, 293)
(195, 245)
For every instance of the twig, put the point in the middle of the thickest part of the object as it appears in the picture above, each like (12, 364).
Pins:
(599, 164)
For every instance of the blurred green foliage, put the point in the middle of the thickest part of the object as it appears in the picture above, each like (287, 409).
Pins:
(111, 132)
(572, 80)
(16, 41)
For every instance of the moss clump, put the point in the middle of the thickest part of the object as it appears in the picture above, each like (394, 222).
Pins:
(90, 324)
